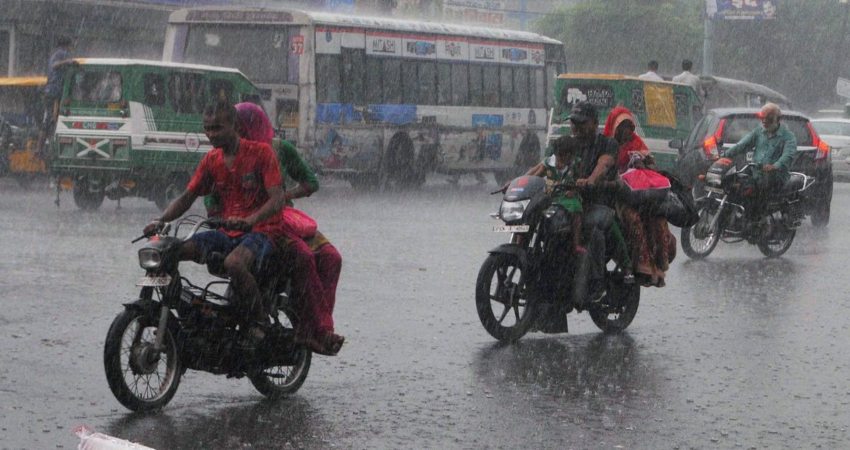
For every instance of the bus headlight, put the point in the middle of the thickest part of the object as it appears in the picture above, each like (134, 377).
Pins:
(149, 258)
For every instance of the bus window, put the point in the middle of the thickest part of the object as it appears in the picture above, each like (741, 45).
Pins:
(373, 81)
(506, 85)
(392, 81)
(522, 98)
(353, 75)
(490, 86)
(476, 93)
(409, 84)
(444, 84)
(460, 84)
(263, 57)
(328, 82)
(187, 92)
(154, 89)
(427, 83)
(221, 90)
(538, 89)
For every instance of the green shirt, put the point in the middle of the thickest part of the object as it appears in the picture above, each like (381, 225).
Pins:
(778, 149)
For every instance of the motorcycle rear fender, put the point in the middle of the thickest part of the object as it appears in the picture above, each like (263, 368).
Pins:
(513, 250)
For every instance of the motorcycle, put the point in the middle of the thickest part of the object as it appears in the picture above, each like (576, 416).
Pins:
(533, 282)
(724, 216)
(176, 325)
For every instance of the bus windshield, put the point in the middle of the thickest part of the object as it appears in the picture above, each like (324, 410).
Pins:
(263, 56)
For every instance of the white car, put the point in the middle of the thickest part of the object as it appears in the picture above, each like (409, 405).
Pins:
(836, 132)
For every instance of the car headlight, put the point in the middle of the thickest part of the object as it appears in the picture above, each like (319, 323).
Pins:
(713, 179)
(149, 258)
(511, 211)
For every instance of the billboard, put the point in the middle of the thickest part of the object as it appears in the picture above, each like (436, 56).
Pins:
(741, 9)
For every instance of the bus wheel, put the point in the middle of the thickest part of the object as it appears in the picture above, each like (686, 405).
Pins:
(173, 186)
(398, 169)
(88, 195)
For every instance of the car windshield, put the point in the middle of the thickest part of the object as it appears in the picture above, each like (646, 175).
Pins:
(832, 128)
(739, 126)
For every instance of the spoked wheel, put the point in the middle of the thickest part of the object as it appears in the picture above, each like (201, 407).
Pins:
(699, 241)
(778, 242)
(616, 310)
(280, 380)
(140, 377)
(501, 298)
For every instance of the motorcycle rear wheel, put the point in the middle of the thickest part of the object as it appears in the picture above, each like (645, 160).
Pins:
(140, 378)
(777, 247)
(697, 248)
(509, 292)
(616, 310)
(279, 381)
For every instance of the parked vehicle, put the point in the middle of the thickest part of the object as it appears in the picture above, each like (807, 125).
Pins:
(175, 325)
(664, 110)
(724, 215)
(534, 281)
(134, 128)
(723, 127)
(720, 92)
(20, 119)
(385, 101)
(835, 131)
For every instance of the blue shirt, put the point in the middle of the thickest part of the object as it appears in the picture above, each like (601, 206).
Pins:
(777, 149)
(53, 88)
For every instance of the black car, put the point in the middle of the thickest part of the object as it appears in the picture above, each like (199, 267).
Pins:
(723, 127)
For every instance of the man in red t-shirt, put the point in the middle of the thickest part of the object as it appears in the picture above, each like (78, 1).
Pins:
(246, 177)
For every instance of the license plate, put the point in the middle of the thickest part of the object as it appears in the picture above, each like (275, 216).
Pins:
(511, 228)
(749, 156)
(164, 280)
(714, 189)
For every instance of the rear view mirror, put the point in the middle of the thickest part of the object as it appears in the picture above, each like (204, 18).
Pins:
(676, 143)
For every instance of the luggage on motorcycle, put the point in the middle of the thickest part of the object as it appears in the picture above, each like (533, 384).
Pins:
(299, 223)
(678, 206)
(643, 187)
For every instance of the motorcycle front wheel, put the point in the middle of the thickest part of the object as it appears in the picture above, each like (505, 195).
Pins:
(501, 298)
(140, 377)
(616, 310)
(277, 381)
(701, 239)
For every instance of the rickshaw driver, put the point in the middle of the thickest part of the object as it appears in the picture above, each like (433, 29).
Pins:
(247, 177)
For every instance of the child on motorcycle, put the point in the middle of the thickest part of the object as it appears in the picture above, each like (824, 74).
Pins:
(560, 169)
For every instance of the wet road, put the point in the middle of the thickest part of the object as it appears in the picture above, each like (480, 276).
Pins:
(736, 351)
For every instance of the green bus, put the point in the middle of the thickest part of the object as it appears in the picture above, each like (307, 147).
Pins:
(664, 110)
(134, 128)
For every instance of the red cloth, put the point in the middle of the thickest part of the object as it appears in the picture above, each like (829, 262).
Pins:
(328, 266)
(253, 122)
(636, 144)
(242, 188)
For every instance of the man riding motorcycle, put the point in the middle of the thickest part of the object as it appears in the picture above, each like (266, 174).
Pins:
(773, 147)
(247, 177)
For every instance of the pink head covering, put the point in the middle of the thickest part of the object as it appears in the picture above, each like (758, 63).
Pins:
(253, 123)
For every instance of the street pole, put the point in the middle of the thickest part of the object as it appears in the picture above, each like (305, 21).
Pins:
(839, 48)
(707, 57)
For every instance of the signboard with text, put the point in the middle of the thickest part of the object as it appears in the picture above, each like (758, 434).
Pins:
(741, 9)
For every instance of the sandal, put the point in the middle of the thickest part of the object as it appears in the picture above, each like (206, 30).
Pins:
(327, 344)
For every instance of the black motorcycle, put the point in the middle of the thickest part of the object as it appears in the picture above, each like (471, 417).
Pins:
(724, 215)
(532, 282)
(175, 325)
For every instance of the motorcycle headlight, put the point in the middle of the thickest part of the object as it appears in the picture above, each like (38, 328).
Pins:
(713, 179)
(149, 258)
(511, 211)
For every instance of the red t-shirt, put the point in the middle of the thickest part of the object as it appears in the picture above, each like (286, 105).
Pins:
(243, 188)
